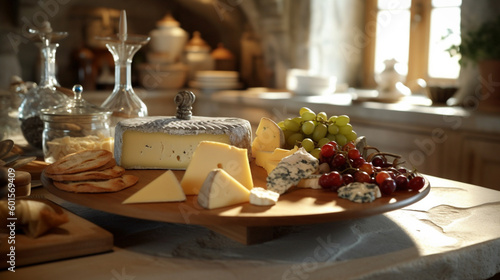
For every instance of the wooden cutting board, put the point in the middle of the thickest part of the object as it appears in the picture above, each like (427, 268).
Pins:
(35, 168)
(78, 237)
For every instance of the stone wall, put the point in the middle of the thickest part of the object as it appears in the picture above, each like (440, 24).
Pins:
(268, 36)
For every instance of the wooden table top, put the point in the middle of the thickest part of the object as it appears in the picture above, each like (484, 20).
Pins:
(453, 232)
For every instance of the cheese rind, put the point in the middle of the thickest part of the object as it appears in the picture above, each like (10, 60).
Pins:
(168, 142)
(212, 155)
(164, 188)
(221, 190)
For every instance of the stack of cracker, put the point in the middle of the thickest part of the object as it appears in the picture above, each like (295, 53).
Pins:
(89, 171)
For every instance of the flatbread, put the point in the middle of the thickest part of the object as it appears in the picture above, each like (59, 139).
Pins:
(110, 173)
(110, 185)
(80, 162)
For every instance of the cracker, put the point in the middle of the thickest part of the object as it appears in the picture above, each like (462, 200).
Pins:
(110, 185)
(80, 162)
(110, 164)
(110, 173)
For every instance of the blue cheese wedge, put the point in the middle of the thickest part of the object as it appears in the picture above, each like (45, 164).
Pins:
(291, 170)
(359, 192)
(262, 197)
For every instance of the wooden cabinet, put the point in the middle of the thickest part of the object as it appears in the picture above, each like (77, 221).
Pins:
(480, 160)
(421, 148)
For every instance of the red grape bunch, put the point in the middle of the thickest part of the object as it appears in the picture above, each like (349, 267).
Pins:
(341, 165)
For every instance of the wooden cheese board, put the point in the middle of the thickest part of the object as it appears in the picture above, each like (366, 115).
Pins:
(244, 222)
(78, 237)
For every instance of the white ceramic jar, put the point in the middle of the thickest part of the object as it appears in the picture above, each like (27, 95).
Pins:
(167, 41)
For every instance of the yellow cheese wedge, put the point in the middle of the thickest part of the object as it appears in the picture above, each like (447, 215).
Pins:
(270, 165)
(220, 190)
(268, 136)
(165, 188)
(269, 160)
(211, 155)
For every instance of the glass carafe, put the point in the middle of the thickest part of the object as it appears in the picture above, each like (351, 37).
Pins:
(45, 94)
(123, 101)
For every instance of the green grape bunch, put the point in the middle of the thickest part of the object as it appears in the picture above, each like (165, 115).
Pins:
(311, 131)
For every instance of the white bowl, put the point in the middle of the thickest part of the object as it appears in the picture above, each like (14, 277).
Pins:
(303, 82)
(158, 76)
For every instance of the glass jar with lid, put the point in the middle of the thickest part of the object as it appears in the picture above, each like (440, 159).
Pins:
(75, 127)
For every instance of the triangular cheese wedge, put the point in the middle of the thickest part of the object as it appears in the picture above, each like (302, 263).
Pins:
(211, 155)
(165, 188)
(268, 136)
(220, 190)
(269, 160)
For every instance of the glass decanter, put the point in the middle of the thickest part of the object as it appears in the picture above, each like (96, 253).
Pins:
(123, 101)
(45, 94)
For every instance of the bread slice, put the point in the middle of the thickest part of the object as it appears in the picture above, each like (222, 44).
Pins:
(110, 185)
(110, 173)
(80, 162)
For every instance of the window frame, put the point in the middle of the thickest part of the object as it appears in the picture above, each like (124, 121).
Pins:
(418, 53)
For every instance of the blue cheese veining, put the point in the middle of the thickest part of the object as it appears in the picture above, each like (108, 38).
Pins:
(359, 192)
(291, 170)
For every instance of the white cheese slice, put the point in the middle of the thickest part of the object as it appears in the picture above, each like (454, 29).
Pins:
(220, 190)
(165, 188)
(212, 155)
(311, 182)
(262, 197)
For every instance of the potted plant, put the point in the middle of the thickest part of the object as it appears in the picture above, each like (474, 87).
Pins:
(482, 47)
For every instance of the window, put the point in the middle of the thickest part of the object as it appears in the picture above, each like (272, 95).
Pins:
(417, 34)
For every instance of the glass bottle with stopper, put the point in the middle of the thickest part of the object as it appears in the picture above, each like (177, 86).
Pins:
(123, 101)
(46, 93)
